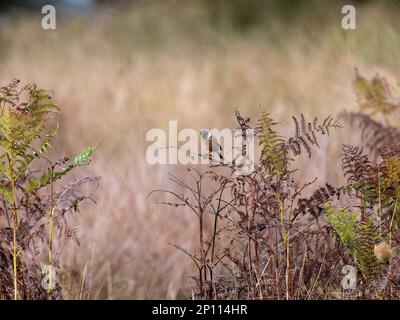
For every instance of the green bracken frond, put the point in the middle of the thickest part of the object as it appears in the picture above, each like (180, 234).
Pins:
(22, 125)
(367, 236)
(5, 192)
(358, 237)
(274, 150)
(50, 175)
(344, 222)
(84, 157)
(24, 161)
(26, 203)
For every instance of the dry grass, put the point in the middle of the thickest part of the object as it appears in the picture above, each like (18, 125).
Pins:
(117, 76)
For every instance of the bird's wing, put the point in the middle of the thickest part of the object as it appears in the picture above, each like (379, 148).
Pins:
(215, 146)
(210, 145)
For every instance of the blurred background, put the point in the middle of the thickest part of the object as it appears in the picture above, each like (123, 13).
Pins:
(120, 68)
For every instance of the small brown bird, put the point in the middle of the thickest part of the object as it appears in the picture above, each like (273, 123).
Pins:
(211, 144)
(383, 251)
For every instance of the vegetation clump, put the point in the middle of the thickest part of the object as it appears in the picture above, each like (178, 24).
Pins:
(267, 236)
(34, 206)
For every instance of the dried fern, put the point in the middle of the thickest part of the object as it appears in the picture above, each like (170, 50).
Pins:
(306, 133)
(374, 134)
(362, 175)
(374, 95)
(316, 202)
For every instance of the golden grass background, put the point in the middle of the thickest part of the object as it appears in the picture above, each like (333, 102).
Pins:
(117, 74)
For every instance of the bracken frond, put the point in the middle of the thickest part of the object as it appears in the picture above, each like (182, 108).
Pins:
(374, 95)
(358, 238)
(315, 204)
(306, 133)
(374, 134)
(274, 150)
(344, 223)
(30, 213)
(362, 175)
(367, 235)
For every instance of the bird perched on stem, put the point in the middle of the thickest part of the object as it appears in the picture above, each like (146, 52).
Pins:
(211, 143)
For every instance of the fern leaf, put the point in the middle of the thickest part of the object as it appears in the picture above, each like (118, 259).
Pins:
(274, 150)
(5, 192)
(306, 133)
(84, 157)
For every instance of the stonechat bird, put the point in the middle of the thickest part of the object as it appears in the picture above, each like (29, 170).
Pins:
(211, 144)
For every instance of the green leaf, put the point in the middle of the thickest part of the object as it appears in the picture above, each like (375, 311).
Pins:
(344, 222)
(84, 157)
(26, 159)
(5, 192)
(33, 184)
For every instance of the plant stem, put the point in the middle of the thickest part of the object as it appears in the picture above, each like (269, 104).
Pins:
(51, 235)
(286, 244)
(390, 237)
(15, 227)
